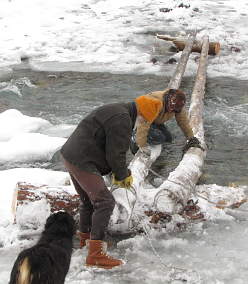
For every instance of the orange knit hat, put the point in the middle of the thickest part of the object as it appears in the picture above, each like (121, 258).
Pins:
(148, 107)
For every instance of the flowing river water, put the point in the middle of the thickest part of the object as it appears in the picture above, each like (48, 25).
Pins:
(66, 97)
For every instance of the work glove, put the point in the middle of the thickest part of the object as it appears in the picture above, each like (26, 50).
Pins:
(126, 182)
(192, 142)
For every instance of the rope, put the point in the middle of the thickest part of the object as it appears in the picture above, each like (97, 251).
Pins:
(197, 194)
(132, 208)
(174, 269)
(172, 195)
(162, 177)
(133, 191)
(220, 205)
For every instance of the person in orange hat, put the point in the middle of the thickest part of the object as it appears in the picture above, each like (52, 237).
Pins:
(158, 107)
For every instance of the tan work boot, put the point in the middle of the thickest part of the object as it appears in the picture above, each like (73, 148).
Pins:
(82, 238)
(97, 255)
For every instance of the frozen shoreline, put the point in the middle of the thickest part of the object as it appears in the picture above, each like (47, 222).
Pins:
(118, 37)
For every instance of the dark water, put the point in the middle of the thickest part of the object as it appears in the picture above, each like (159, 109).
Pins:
(66, 97)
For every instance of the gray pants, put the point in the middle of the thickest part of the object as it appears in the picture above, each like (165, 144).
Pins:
(96, 201)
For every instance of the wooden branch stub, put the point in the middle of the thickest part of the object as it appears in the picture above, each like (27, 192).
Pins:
(58, 199)
(214, 47)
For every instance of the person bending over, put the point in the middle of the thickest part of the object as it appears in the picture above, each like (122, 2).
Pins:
(156, 108)
(98, 147)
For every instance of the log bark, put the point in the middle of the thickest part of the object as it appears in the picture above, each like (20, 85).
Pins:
(214, 47)
(177, 189)
(59, 198)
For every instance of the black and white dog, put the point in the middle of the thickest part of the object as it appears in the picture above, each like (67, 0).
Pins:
(48, 261)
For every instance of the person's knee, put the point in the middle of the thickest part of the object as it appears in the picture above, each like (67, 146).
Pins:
(85, 206)
(109, 202)
(105, 201)
(112, 202)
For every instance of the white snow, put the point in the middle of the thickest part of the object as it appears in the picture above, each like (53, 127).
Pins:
(114, 36)
(19, 123)
(21, 140)
(192, 251)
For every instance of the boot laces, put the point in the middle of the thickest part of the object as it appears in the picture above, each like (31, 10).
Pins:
(103, 252)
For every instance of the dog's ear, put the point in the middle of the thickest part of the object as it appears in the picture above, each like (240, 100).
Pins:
(67, 223)
(61, 223)
(50, 220)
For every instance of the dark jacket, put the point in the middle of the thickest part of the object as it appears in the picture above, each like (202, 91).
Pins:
(103, 138)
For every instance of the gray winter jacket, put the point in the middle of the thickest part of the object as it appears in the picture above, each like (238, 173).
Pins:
(102, 138)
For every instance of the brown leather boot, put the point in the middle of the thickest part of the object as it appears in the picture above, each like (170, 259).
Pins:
(82, 238)
(97, 255)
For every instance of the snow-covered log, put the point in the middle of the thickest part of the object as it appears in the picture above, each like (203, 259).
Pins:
(177, 189)
(142, 161)
(59, 198)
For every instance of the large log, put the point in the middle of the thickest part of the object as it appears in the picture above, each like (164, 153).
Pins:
(59, 198)
(177, 189)
(214, 47)
(141, 162)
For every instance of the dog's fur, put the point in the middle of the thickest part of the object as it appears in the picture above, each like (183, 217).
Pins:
(48, 261)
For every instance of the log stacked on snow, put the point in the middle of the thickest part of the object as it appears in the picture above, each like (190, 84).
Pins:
(58, 197)
(214, 47)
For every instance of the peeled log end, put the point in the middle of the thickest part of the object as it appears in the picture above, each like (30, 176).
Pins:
(214, 47)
